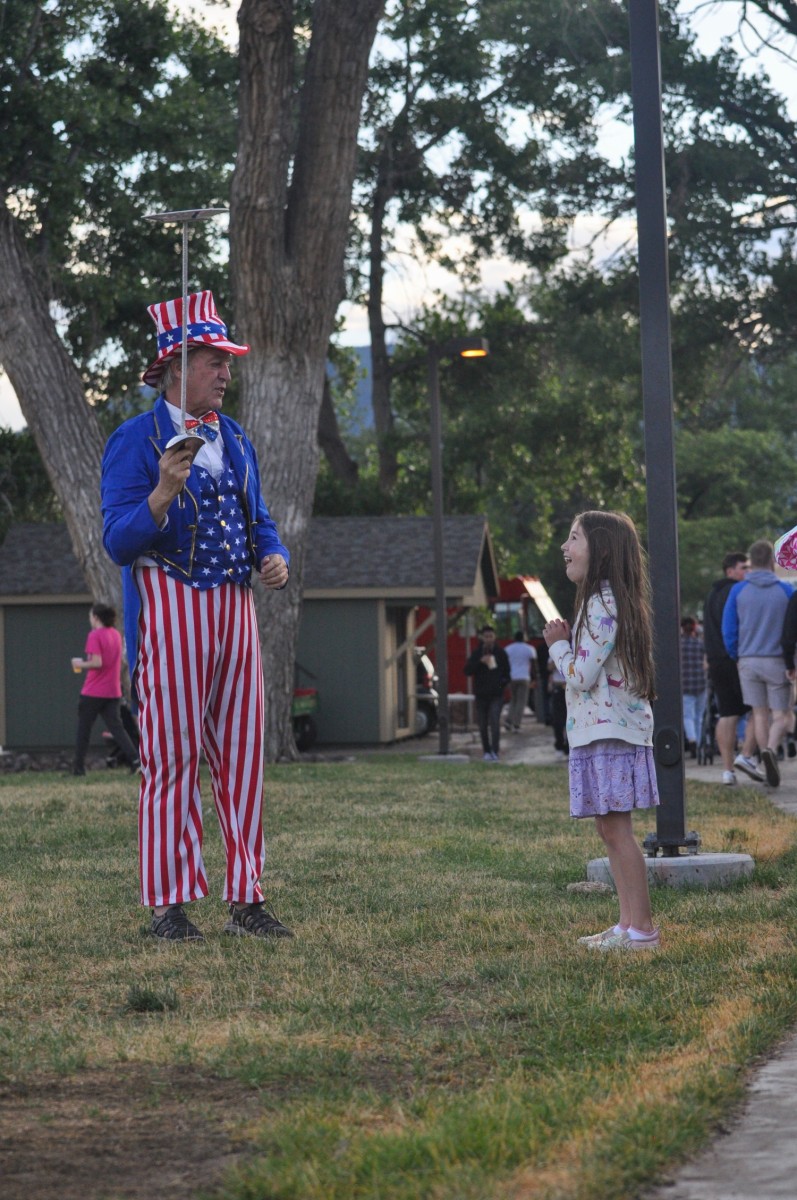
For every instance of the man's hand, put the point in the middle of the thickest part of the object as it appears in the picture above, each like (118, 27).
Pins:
(556, 631)
(273, 571)
(174, 467)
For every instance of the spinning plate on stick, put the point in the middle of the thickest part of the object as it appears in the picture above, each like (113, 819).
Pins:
(185, 217)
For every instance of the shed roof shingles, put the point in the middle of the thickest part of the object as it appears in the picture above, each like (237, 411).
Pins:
(36, 559)
(342, 553)
(391, 552)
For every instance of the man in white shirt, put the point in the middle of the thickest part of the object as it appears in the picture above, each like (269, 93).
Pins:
(522, 665)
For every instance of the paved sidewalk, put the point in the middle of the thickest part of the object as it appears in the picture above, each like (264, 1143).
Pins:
(755, 1158)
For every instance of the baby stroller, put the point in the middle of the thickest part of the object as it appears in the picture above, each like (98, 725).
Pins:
(707, 744)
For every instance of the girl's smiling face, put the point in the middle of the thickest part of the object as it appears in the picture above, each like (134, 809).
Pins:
(576, 553)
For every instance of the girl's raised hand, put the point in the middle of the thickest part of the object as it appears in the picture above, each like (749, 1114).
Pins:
(556, 631)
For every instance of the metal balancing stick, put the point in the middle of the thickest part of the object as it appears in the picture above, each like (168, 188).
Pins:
(192, 442)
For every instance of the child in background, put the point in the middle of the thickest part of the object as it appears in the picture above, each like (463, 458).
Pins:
(608, 668)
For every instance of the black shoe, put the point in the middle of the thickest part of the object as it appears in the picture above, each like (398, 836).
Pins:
(174, 926)
(256, 921)
(791, 748)
(770, 763)
(135, 767)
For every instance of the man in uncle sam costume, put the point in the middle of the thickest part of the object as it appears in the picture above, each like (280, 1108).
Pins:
(188, 525)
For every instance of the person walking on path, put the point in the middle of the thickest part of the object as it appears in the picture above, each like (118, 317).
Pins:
(557, 685)
(723, 676)
(101, 693)
(789, 646)
(522, 659)
(189, 532)
(693, 684)
(607, 661)
(752, 630)
(488, 665)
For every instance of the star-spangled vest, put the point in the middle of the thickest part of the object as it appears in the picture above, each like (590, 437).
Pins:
(221, 548)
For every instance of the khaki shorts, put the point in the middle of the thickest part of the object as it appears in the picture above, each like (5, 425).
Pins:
(764, 683)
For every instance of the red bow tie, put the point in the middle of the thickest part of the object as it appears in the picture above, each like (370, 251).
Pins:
(207, 426)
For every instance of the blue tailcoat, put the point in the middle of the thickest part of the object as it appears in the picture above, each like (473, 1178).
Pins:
(130, 473)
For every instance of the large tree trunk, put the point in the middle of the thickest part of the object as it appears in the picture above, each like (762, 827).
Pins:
(343, 466)
(288, 231)
(380, 360)
(51, 396)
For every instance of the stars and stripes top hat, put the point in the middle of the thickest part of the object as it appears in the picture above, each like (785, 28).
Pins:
(205, 328)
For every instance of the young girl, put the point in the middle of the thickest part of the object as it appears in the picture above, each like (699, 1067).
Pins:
(608, 666)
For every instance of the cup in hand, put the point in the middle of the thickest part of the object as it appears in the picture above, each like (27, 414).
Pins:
(76, 667)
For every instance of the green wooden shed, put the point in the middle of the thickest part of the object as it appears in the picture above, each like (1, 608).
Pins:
(44, 621)
(365, 578)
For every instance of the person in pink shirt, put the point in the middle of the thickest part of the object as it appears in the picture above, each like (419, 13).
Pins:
(101, 693)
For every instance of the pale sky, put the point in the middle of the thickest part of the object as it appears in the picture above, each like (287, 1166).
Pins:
(410, 282)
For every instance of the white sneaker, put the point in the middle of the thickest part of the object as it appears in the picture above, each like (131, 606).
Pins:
(729, 778)
(749, 768)
(595, 939)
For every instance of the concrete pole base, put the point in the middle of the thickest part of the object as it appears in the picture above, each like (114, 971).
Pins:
(695, 870)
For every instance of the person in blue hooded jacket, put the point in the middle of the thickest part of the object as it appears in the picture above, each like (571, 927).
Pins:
(752, 627)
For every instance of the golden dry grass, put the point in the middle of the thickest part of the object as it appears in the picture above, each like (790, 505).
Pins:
(433, 1021)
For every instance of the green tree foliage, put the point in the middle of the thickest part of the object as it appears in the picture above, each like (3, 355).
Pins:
(477, 116)
(25, 491)
(110, 109)
(552, 423)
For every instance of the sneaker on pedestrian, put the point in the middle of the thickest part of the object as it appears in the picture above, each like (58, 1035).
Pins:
(174, 926)
(255, 920)
(749, 767)
(729, 778)
(643, 941)
(770, 761)
(624, 941)
(594, 939)
(487, 756)
(791, 747)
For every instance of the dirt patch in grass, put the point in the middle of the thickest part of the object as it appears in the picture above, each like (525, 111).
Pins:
(128, 1134)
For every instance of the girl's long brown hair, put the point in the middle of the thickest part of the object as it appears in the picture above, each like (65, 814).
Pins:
(617, 558)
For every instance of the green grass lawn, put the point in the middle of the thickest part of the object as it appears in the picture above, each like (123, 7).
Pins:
(433, 1030)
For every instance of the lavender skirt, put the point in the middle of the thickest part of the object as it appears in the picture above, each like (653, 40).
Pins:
(611, 776)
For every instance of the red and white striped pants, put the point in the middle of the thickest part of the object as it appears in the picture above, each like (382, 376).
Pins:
(200, 684)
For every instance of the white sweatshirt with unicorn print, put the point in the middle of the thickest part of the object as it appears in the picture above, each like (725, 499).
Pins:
(600, 704)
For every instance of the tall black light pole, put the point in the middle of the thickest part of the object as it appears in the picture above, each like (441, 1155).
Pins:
(464, 347)
(657, 393)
